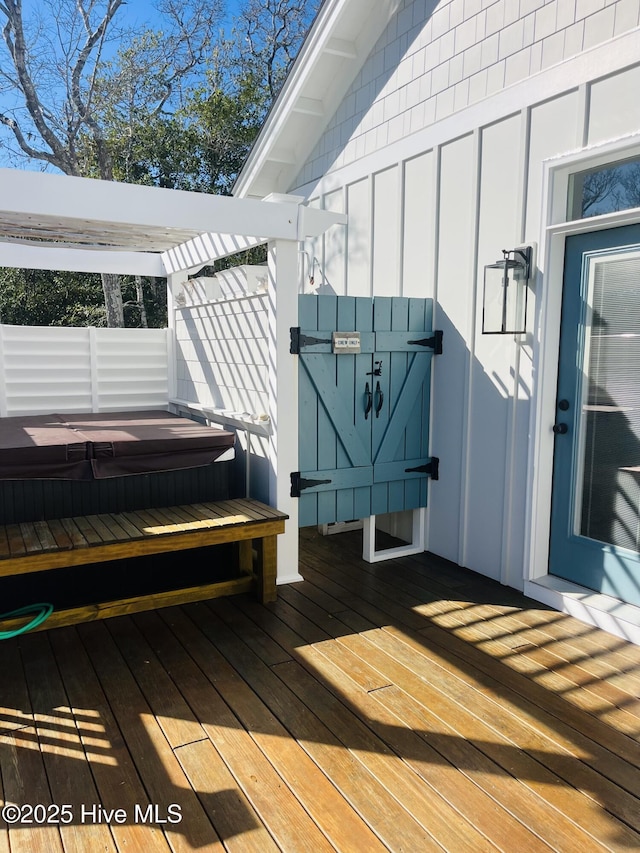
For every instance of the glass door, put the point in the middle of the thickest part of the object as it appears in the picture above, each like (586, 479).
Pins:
(595, 524)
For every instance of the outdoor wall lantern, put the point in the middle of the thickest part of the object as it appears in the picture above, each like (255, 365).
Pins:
(504, 306)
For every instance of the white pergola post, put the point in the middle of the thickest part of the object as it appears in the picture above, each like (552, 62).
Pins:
(283, 398)
(174, 283)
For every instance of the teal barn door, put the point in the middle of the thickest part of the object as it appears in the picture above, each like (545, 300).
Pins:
(363, 406)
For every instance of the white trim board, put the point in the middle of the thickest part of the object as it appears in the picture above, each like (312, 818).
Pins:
(601, 611)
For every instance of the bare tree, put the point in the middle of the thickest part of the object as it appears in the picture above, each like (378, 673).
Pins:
(272, 32)
(601, 188)
(630, 180)
(64, 81)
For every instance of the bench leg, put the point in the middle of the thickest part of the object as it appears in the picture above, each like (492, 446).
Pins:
(245, 556)
(266, 569)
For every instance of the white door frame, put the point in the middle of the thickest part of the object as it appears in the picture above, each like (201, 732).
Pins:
(594, 608)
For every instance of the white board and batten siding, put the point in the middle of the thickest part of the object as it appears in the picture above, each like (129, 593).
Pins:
(55, 369)
(437, 155)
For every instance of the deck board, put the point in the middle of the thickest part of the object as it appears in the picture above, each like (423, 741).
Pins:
(51, 714)
(398, 706)
(159, 769)
(266, 764)
(105, 747)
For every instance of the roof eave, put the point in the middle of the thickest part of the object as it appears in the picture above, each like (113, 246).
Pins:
(338, 43)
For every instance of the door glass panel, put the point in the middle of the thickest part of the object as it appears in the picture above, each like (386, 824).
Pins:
(604, 189)
(608, 447)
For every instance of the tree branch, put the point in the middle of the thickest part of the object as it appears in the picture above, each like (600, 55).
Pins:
(83, 107)
(13, 34)
(13, 125)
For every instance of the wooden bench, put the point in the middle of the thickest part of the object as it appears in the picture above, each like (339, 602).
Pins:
(38, 546)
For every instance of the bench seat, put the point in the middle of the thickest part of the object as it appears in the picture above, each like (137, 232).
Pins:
(37, 546)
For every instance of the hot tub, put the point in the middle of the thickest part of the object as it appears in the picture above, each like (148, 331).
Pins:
(62, 464)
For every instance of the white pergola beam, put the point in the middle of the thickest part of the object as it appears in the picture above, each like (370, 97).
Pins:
(202, 250)
(221, 225)
(52, 257)
(37, 195)
(314, 222)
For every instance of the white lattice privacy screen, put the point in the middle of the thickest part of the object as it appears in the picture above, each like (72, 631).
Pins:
(52, 369)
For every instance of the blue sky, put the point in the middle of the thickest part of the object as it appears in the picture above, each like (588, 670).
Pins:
(136, 14)
(141, 11)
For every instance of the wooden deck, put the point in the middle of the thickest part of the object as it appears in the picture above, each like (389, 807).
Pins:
(406, 706)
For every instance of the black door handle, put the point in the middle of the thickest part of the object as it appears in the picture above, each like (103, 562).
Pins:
(560, 429)
(369, 400)
(379, 399)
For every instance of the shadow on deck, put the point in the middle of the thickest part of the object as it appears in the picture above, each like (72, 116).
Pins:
(407, 705)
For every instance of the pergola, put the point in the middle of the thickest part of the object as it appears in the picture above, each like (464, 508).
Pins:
(57, 222)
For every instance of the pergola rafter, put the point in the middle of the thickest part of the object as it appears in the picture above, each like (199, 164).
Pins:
(86, 225)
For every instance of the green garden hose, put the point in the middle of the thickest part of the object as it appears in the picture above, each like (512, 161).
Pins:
(41, 611)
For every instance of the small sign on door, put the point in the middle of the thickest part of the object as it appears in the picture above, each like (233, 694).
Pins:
(345, 342)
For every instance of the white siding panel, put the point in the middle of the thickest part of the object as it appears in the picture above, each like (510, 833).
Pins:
(555, 127)
(334, 242)
(492, 364)
(314, 261)
(456, 229)
(418, 220)
(386, 232)
(615, 106)
(359, 239)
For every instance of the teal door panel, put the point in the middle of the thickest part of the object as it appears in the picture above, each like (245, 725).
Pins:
(402, 423)
(363, 417)
(331, 389)
(595, 517)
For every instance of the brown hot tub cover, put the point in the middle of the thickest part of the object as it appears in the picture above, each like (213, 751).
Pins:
(42, 446)
(105, 445)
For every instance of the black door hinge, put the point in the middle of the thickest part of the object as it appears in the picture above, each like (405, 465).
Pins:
(434, 342)
(432, 468)
(298, 340)
(299, 483)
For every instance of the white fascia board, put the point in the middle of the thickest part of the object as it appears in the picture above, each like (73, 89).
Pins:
(52, 257)
(63, 196)
(345, 28)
